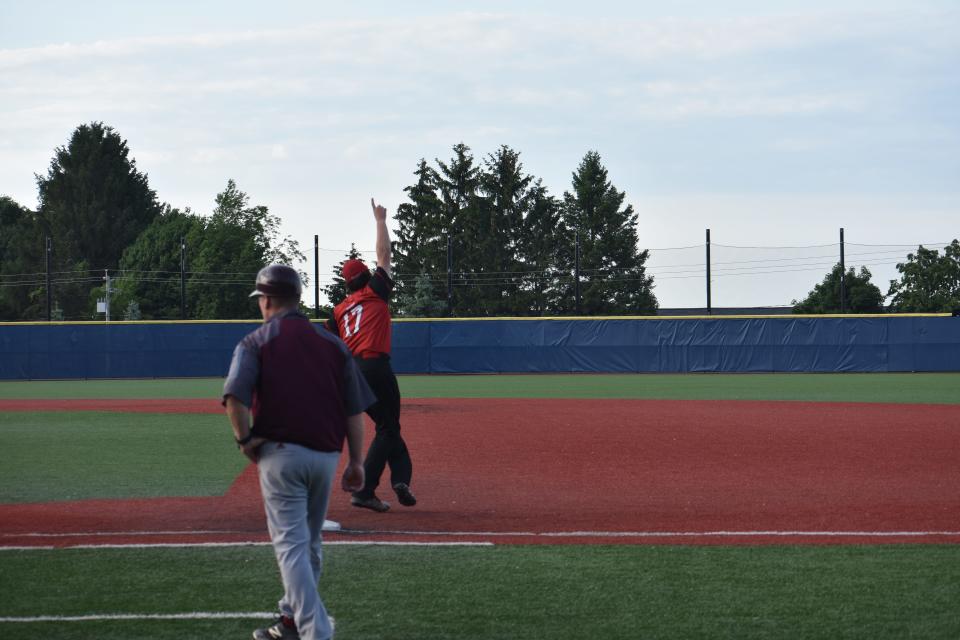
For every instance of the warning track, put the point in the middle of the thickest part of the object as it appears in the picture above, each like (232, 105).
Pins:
(528, 471)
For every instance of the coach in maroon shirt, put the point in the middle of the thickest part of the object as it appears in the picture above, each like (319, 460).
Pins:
(306, 396)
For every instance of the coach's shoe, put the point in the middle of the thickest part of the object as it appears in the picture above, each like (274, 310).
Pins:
(404, 495)
(282, 629)
(373, 503)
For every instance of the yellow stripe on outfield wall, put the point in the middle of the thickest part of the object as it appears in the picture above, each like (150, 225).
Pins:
(789, 316)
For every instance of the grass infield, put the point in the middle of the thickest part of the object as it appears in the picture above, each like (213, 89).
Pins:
(79, 455)
(529, 592)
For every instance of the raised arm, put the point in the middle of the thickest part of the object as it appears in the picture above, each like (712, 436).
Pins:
(383, 236)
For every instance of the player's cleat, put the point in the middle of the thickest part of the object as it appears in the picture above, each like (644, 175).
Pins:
(373, 503)
(282, 629)
(404, 495)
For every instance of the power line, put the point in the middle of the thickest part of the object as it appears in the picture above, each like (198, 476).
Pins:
(811, 246)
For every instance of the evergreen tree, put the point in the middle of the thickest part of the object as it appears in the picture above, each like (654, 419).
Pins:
(94, 203)
(513, 243)
(458, 184)
(421, 300)
(94, 195)
(420, 244)
(132, 311)
(544, 245)
(929, 282)
(22, 268)
(505, 191)
(613, 269)
(862, 296)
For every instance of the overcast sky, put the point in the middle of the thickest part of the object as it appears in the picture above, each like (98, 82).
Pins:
(771, 123)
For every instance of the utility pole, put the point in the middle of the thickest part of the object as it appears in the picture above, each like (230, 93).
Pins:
(49, 295)
(843, 277)
(576, 272)
(316, 276)
(449, 275)
(183, 278)
(106, 277)
(709, 302)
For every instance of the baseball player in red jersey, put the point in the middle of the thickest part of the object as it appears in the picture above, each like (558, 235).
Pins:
(362, 321)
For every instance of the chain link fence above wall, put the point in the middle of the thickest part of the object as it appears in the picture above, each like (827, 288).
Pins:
(742, 278)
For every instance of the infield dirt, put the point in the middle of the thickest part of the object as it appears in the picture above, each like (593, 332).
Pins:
(589, 471)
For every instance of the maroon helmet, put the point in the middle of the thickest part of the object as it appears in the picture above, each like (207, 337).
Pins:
(278, 281)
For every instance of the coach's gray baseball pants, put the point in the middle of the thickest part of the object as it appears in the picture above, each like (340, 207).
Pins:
(296, 484)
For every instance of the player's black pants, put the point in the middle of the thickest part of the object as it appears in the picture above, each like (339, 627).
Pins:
(388, 447)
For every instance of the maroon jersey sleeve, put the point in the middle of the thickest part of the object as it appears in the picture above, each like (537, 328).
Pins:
(332, 326)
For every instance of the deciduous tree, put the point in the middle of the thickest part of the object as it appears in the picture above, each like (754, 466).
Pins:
(929, 281)
(224, 253)
(862, 296)
(150, 267)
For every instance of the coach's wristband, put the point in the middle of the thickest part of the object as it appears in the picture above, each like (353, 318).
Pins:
(244, 441)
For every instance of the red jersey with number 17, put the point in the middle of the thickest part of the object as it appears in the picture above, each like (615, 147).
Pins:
(363, 318)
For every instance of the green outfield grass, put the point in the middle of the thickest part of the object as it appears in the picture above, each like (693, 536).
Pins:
(72, 456)
(513, 592)
(941, 388)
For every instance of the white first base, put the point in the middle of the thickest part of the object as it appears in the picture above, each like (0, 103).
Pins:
(331, 525)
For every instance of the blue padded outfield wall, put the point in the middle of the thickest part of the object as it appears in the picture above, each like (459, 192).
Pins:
(622, 345)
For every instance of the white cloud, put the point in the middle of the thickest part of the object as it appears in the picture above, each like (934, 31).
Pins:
(210, 156)
(476, 36)
(318, 117)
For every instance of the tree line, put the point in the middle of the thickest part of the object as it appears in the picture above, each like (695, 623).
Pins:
(488, 239)
(473, 238)
(101, 214)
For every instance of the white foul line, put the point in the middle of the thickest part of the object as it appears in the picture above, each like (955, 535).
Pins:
(84, 534)
(660, 534)
(546, 534)
(196, 615)
(448, 534)
(192, 545)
